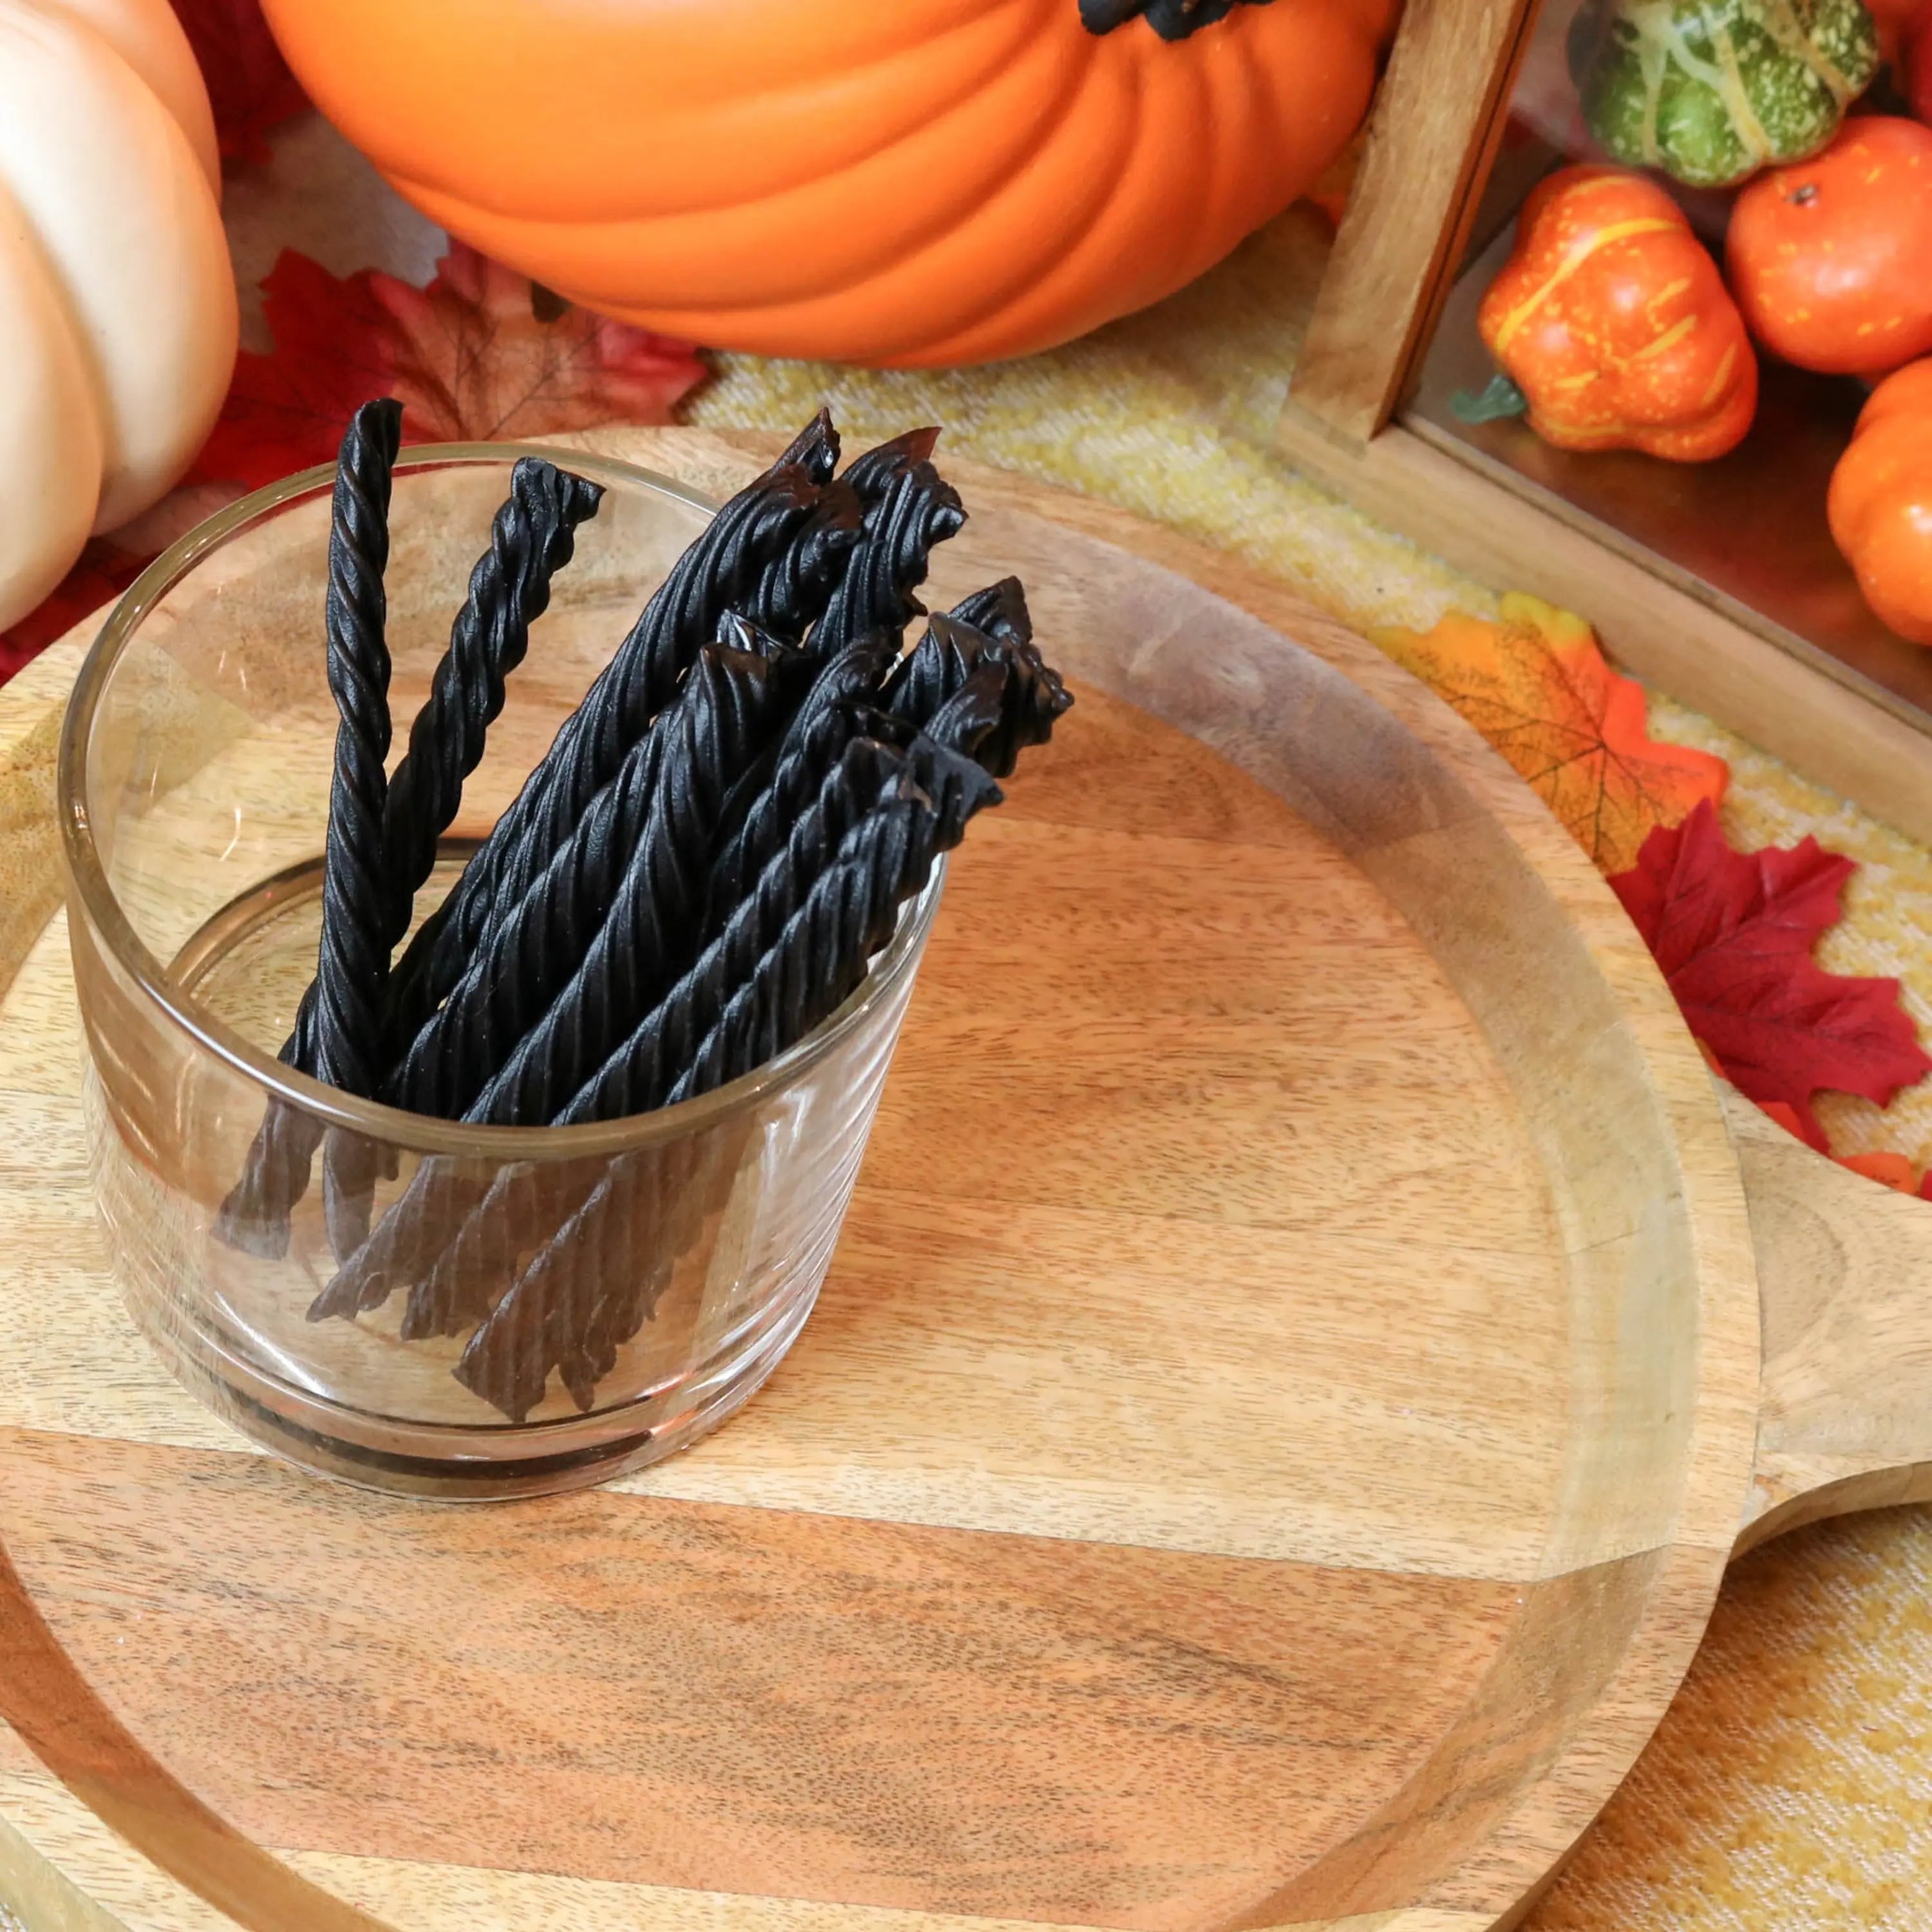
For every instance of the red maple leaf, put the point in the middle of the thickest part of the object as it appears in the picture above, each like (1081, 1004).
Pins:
(103, 571)
(480, 354)
(249, 84)
(1734, 932)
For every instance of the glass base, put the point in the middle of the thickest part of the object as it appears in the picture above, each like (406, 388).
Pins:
(451, 1465)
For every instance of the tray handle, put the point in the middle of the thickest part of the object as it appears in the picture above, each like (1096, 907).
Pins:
(1845, 1279)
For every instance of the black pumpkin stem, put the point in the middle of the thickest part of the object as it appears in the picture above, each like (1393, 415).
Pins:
(1171, 20)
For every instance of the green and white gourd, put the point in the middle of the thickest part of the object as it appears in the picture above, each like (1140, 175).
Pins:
(1711, 91)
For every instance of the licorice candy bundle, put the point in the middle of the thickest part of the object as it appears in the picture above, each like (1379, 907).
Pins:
(698, 873)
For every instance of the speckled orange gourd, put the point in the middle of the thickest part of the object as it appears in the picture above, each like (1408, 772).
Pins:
(1881, 502)
(1832, 259)
(884, 181)
(1615, 324)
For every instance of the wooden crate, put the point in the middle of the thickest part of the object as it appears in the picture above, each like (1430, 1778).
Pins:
(1718, 581)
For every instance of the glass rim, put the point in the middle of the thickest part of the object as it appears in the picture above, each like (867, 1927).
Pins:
(423, 1133)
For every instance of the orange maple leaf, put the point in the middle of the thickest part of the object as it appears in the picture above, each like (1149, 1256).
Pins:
(1534, 684)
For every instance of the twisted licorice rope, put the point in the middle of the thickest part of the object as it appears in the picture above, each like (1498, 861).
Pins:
(532, 538)
(871, 475)
(564, 904)
(835, 710)
(682, 616)
(720, 721)
(1000, 611)
(638, 856)
(342, 1041)
(353, 958)
(791, 595)
(555, 1314)
(814, 450)
(953, 655)
(919, 510)
(472, 1257)
(635, 1076)
(751, 529)
(578, 1304)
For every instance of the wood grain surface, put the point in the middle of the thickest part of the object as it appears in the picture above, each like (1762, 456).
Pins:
(1432, 139)
(1264, 1455)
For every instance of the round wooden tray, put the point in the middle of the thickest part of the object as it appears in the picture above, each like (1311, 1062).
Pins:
(1264, 1456)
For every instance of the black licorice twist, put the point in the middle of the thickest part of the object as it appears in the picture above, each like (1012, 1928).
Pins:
(951, 654)
(353, 956)
(818, 959)
(575, 1294)
(918, 510)
(599, 931)
(472, 1258)
(532, 538)
(342, 1042)
(712, 577)
(838, 708)
(413, 1235)
(421, 978)
(791, 594)
(634, 1077)
(416, 1228)
(875, 473)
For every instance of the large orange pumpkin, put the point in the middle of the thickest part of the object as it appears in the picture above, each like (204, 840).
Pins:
(898, 182)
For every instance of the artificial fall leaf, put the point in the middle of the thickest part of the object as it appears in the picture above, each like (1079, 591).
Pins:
(1535, 685)
(249, 84)
(1734, 932)
(103, 571)
(480, 354)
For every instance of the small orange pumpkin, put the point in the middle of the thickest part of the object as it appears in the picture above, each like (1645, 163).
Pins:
(1615, 324)
(895, 181)
(1880, 504)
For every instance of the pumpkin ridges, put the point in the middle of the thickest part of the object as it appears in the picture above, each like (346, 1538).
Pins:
(716, 258)
(739, 243)
(631, 132)
(825, 264)
(149, 37)
(816, 329)
(51, 422)
(1613, 321)
(1026, 202)
(1051, 293)
(158, 319)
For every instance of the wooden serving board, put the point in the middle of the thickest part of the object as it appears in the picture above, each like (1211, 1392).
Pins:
(1288, 1390)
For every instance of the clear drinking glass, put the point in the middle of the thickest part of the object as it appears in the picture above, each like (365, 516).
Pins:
(653, 1270)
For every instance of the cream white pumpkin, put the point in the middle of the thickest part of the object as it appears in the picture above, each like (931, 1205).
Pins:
(117, 302)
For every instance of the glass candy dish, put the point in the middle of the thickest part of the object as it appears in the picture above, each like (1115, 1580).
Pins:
(194, 783)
